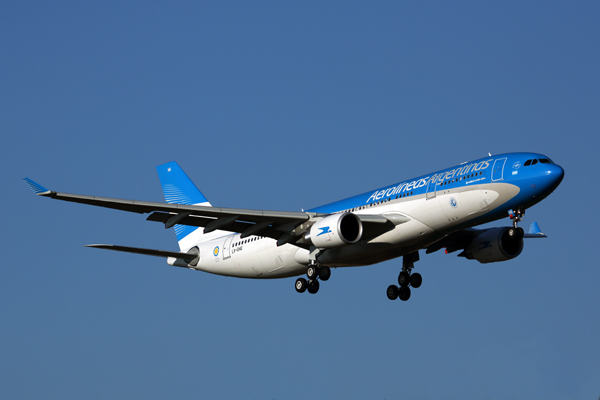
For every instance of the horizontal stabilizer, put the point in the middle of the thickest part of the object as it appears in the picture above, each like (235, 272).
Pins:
(148, 252)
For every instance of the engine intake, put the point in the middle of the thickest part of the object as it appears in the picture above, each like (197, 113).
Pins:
(494, 245)
(335, 231)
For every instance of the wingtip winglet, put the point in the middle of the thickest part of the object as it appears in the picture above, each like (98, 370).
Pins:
(535, 231)
(534, 228)
(36, 187)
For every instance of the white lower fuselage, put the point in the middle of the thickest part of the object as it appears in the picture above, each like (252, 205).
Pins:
(431, 217)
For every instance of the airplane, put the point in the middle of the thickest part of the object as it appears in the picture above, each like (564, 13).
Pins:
(429, 212)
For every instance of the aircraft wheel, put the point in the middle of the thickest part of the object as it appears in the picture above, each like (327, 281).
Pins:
(517, 233)
(324, 273)
(404, 293)
(415, 280)
(312, 272)
(313, 286)
(403, 279)
(301, 285)
(392, 292)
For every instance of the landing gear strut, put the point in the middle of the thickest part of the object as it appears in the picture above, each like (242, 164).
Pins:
(406, 279)
(517, 216)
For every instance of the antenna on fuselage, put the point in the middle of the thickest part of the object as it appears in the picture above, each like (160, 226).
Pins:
(490, 154)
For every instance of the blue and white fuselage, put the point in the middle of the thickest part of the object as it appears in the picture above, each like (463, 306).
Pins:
(436, 204)
(431, 211)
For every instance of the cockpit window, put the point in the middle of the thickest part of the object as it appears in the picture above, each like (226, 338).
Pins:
(528, 162)
(534, 162)
(545, 161)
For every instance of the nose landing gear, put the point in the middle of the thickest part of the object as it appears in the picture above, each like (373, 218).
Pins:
(516, 217)
(406, 279)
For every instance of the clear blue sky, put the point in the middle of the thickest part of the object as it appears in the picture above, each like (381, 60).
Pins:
(273, 105)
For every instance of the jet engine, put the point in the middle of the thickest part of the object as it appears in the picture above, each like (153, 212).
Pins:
(497, 244)
(335, 231)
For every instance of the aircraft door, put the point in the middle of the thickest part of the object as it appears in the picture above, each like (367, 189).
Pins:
(498, 170)
(431, 187)
(227, 247)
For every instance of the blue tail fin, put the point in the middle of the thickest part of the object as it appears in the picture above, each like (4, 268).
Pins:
(178, 188)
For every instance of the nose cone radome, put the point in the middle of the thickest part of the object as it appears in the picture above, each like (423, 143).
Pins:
(554, 176)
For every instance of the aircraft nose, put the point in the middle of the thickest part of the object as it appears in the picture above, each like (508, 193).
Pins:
(555, 174)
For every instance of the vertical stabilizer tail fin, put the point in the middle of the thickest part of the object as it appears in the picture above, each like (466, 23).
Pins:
(178, 188)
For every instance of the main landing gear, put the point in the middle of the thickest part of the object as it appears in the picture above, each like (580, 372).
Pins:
(406, 279)
(314, 272)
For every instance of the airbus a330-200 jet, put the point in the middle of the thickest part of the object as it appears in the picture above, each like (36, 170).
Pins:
(430, 212)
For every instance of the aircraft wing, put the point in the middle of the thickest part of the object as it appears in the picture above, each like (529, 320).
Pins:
(283, 226)
(248, 222)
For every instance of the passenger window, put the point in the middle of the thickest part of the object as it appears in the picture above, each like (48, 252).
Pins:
(534, 162)
(528, 162)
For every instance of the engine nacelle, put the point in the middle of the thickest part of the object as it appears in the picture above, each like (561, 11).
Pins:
(335, 231)
(497, 244)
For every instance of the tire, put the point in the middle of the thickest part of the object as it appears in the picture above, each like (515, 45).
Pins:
(404, 293)
(313, 287)
(301, 285)
(403, 279)
(392, 292)
(324, 273)
(312, 272)
(415, 280)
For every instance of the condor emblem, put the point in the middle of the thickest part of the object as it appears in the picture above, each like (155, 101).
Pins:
(324, 231)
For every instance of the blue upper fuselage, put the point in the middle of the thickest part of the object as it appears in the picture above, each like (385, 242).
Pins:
(535, 175)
